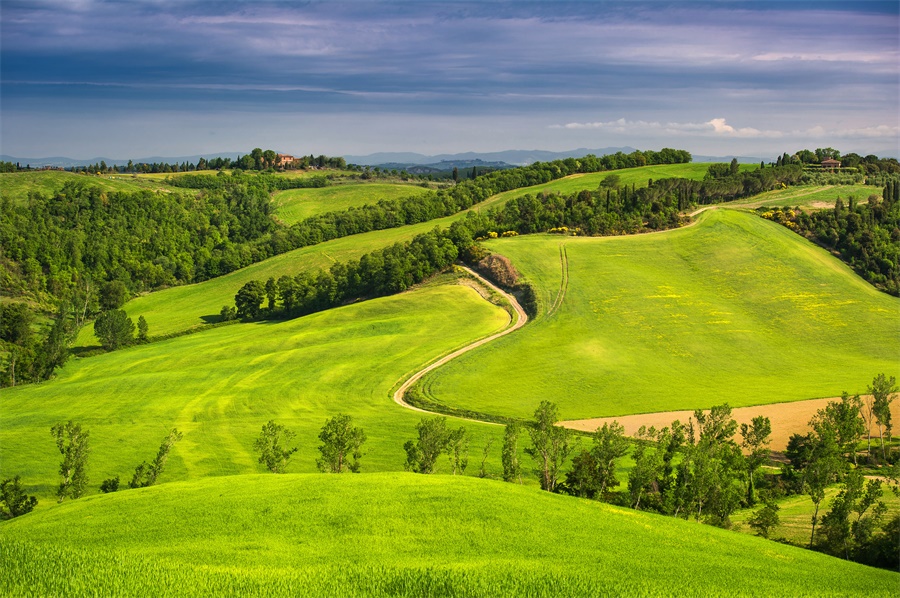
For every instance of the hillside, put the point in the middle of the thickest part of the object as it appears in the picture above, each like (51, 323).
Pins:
(396, 535)
(294, 205)
(733, 309)
(221, 386)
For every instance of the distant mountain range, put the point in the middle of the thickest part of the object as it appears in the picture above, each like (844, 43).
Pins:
(63, 162)
(393, 160)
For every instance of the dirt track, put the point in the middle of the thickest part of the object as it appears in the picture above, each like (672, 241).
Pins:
(520, 321)
(786, 418)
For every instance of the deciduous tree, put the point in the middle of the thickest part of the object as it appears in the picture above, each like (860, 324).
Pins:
(73, 444)
(550, 445)
(114, 329)
(422, 454)
(512, 470)
(271, 449)
(146, 474)
(14, 501)
(341, 442)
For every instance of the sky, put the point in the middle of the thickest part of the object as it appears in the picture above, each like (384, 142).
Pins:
(87, 78)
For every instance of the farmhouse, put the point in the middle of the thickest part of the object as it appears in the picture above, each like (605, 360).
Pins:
(284, 160)
(831, 163)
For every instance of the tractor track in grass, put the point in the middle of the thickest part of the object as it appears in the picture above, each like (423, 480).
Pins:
(399, 394)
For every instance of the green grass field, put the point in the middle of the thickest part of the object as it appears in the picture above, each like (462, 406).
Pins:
(627, 176)
(809, 197)
(796, 515)
(294, 205)
(221, 386)
(734, 309)
(395, 535)
(191, 306)
(18, 185)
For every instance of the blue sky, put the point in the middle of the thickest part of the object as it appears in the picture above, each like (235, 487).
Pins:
(128, 79)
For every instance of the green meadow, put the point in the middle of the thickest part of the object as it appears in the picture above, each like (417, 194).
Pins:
(809, 197)
(795, 515)
(395, 534)
(294, 205)
(221, 386)
(733, 309)
(186, 307)
(18, 185)
(639, 177)
(192, 306)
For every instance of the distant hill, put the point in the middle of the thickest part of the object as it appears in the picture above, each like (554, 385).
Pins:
(512, 157)
(64, 162)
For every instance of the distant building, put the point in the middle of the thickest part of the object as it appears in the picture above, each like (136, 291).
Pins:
(831, 163)
(284, 160)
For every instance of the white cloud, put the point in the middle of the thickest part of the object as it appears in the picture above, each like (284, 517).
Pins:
(718, 127)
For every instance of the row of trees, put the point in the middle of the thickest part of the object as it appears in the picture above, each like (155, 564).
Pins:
(340, 451)
(865, 235)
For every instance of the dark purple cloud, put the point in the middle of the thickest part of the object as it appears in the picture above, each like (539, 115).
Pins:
(371, 67)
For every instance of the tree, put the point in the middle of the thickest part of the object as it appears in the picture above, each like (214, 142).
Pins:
(112, 295)
(15, 323)
(610, 445)
(422, 454)
(458, 449)
(110, 485)
(271, 293)
(482, 471)
(823, 465)
(73, 444)
(13, 499)
(146, 474)
(512, 470)
(755, 440)
(765, 519)
(269, 446)
(844, 418)
(883, 394)
(227, 313)
(733, 168)
(455, 174)
(249, 298)
(114, 329)
(843, 533)
(341, 440)
(143, 329)
(550, 445)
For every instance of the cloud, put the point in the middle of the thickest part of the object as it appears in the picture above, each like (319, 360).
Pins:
(718, 127)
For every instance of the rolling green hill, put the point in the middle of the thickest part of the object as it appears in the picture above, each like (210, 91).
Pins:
(221, 386)
(395, 535)
(627, 176)
(191, 306)
(294, 205)
(809, 196)
(18, 185)
(734, 309)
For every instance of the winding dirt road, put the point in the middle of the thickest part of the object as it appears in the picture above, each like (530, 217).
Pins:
(522, 318)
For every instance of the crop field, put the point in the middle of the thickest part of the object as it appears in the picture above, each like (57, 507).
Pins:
(733, 309)
(190, 306)
(396, 534)
(796, 514)
(809, 197)
(294, 205)
(627, 176)
(221, 386)
(18, 185)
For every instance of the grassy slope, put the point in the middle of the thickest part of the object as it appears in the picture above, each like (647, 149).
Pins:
(733, 309)
(184, 307)
(294, 205)
(627, 176)
(797, 511)
(17, 185)
(221, 386)
(809, 196)
(403, 534)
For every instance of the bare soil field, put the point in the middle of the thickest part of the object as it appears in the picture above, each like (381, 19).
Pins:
(786, 418)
